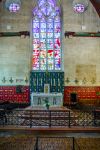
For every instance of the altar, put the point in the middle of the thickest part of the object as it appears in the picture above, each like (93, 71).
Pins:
(54, 99)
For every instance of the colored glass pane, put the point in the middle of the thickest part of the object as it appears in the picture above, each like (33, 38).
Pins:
(57, 19)
(35, 67)
(42, 54)
(50, 41)
(40, 15)
(57, 64)
(57, 43)
(35, 25)
(57, 35)
(50, 64)
(50, 30)
(46, 10)
(36, 35)
(35, 63)
(42, 19)
(50, 35)
(43, 25)
(43, 64)
(36, 46)
(49, 46)
(50, 20)
(42, 45)
(36, 41)
(36, 20)
(42, 29)
(42, 35)
(36, 30)
(52, 3)
(50, 25)
(57, 25)
(57, 54)
(57, 10)
(36, 53)
(50, 53)
(43, 40)
(42, 67)
(43, 61)
(53, 14)
(41, 2)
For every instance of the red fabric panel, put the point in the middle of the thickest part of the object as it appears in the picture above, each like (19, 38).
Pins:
(88, 93)
(8, 93)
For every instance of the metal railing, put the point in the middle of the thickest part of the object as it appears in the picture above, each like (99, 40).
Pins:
(50, 118)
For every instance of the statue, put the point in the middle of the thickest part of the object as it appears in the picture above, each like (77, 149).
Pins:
(47, 104)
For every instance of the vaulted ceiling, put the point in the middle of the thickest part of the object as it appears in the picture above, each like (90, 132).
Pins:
(96, 4)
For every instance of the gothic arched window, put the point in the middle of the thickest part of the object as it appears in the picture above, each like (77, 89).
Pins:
(46, 32)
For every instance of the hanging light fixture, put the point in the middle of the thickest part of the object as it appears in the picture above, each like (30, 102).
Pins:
(13, 5)
(80, 6)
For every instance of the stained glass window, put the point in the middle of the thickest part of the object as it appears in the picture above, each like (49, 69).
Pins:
(79, 8)
(46, 29)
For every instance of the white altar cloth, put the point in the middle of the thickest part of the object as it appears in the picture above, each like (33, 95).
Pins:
(54, 99)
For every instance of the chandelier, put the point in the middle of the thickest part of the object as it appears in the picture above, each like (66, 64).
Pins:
(80, 6)
(13, 5)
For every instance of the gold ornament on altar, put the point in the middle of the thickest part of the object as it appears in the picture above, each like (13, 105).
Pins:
(46, 88)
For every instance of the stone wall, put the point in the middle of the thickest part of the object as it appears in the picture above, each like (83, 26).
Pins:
(81, 55)
(15, 52)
